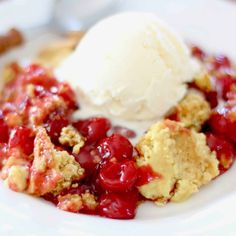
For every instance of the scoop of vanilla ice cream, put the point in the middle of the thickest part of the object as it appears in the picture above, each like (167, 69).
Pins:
(130, 65)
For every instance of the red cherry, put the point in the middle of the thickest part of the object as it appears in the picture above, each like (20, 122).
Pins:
(128, 133)
(146, 174)
(115, 146)
(231, 96)
(118, 177)
(51, 197)
(3, 153)
(54, 126)
(23, 104)
(224, 85)
(4, 135)
(88, 159)
(173, 116)
(118, 206)
(37, 75)
(23, 138)
(225, 151)
(221, 61)
(93, 129)
(68, 95)
(198, 53)
(212, 98)
(218, 123)
(224, 124)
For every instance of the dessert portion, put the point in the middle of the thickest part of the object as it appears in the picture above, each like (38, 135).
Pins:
(71, 162)
(130, 65)
(180, 157)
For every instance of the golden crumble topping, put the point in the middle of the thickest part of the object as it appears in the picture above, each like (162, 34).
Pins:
(13, 119)
(76, 202)
(71, 137)
(17, 178)
(89, 200)
(15, 171)
(70, 202)
(51, 170)
(193, 111)
(203, 81)
(182, 159)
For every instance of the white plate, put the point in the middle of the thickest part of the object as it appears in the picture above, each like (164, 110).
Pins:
(210, 23)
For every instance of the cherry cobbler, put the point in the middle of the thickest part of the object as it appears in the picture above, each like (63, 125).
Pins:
(90, 166)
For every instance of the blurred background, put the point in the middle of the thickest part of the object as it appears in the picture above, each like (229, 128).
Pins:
(210, 23)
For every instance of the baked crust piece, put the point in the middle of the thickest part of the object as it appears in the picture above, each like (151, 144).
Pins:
(71, 137)
(52, 170)
(193, 111)
(203, 81)
(76, 202)
(181, 158)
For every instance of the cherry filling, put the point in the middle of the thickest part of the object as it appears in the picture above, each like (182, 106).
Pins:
(211, 97)
(35, 75)
(93, 129)
(3, 153)
(225, 151)
(22, 138)
(4, 130)
(128, 133)
(198, 53)
(146, 174)
(118, 177)
(54, 125)
(221, 127)
(67, 94)
(116, 146)
(118, 206)
(107, 160)
(225, 84)
(224, 123)
(88, 159)
(221, 61)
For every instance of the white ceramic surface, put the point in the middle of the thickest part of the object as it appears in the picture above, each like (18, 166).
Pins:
(24, 13)
(210, 23)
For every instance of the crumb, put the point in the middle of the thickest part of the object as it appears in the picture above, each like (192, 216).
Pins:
(51, 170)
(76, 202)
(181, 156)
(70, 136)
(15, 171)
(89, 200)
(17, 178)
(70, 202)
(193, 111)
(203, 81)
